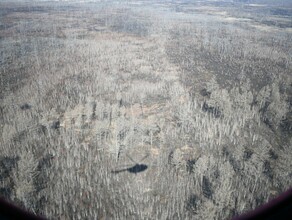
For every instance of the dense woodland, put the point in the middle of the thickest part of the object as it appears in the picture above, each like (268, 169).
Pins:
(145, 109)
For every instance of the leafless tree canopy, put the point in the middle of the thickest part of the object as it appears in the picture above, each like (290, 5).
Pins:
(197, 93)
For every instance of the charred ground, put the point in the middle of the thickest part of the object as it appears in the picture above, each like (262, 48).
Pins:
(204, 89)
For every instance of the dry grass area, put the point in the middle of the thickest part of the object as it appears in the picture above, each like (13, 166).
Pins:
(191, 91)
